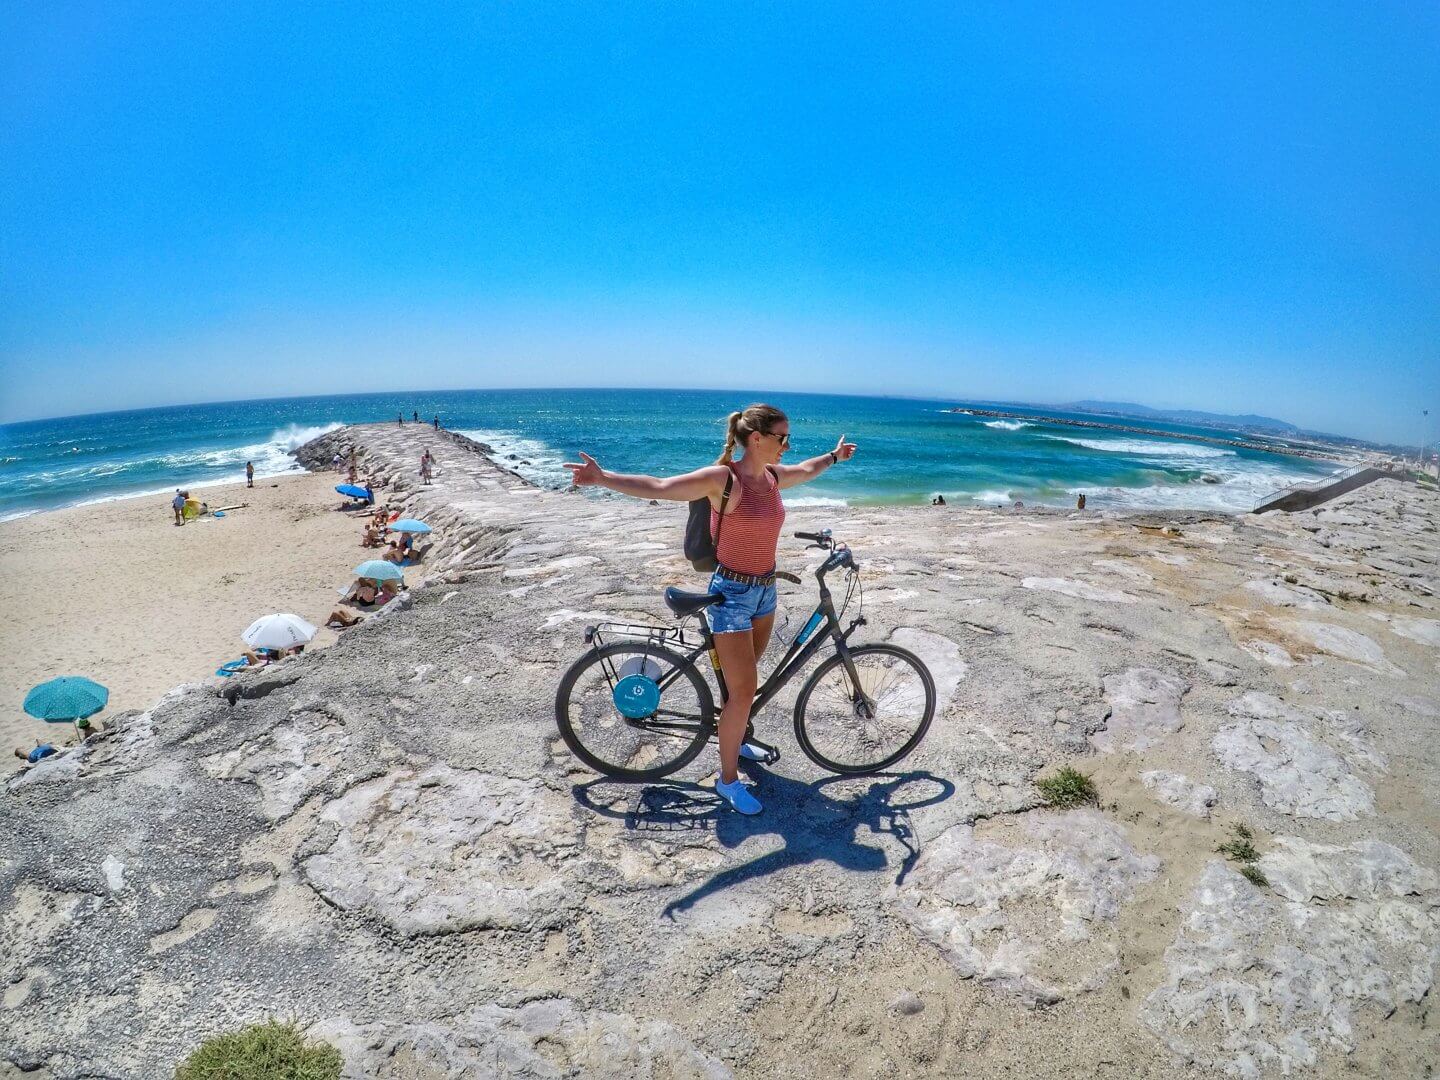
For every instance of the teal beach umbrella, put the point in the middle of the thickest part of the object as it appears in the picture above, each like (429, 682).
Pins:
(379, 570)
(409, 525)
(67, 698)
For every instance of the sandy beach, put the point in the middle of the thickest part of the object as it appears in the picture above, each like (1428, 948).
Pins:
(115, 592)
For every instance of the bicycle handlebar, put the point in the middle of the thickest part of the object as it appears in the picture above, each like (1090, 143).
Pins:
(839, 553)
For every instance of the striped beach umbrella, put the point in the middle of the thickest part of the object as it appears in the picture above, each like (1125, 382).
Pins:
(70, 697)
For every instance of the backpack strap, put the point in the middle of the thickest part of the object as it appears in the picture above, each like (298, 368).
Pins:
(724, 500)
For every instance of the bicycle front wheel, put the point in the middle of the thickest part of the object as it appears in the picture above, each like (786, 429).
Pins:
(678, 723)
(852, 728)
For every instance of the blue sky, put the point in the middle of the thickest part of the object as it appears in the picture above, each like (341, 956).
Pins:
(1229, 207)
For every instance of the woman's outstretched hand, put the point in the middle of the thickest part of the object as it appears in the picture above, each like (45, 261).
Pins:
(844, 451)
(585, 472)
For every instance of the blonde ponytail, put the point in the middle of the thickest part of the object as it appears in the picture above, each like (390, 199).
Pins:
(732, 436)
(741, 425)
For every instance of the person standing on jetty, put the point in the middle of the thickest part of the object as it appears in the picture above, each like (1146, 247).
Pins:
(745, 549)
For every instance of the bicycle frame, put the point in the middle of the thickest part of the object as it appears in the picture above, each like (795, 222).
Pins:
(823, 625)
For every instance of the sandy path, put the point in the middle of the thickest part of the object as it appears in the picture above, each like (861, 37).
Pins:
(115, 592)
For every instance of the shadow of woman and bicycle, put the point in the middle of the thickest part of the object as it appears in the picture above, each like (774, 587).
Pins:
(816, 822)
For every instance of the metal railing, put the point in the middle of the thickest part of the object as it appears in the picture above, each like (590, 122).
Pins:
(1313, 485)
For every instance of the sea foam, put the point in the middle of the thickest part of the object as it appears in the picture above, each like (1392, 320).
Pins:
(1146, 447)
(1007, 425)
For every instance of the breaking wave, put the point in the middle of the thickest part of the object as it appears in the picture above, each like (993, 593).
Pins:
(1145, 447)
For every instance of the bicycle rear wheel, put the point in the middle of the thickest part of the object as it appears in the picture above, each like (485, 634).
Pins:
(852, 729)
(644, 748)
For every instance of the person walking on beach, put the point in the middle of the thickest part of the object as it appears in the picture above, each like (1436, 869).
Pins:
(178, 505)
(746, 553)
(249, 474)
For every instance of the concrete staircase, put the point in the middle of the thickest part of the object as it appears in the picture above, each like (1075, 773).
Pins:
(1304, 496)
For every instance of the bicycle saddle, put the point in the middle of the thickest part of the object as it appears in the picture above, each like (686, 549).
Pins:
(688, 603)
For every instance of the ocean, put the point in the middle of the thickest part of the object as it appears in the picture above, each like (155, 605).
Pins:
(910, 450)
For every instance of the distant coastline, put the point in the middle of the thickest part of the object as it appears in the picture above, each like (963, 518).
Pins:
(1271, 445)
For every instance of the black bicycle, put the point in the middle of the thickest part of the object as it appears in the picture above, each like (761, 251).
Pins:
(638, 708)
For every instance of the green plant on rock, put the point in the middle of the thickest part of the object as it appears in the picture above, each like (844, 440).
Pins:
(1254, 875)
(1068, 787)
(268, 1051)
(1241, 849)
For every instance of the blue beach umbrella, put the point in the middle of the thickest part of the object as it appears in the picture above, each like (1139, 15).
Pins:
(67, 698)
(409, 525)
(379, 570)
(354, 491)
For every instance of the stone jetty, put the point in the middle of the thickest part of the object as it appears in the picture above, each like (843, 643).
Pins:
(387, 840)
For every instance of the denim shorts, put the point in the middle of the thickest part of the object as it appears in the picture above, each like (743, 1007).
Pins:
(743, 605)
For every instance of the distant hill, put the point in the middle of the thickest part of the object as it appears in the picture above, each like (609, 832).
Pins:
(1184, 416)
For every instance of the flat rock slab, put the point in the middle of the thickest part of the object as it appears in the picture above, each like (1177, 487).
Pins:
(1281, 595)
(1034, 918)
(1177, 790)
(1299, 774)
(288, 763)
(1343, 642)
(941, 655)
(437, 850)
(1290, 979)
(1144, 709)
(543, 1040)
(1081, 590)
(1425, 631)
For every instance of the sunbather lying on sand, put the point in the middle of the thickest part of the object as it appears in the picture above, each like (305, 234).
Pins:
(340, 619)
(261, 657)
(365, 592)
(374, 536)
(41, 751)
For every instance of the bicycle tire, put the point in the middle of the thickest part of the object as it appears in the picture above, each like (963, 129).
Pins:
(593, 757)
(807, 744)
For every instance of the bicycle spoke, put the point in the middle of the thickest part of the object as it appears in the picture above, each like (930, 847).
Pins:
(623, 744)
(853, 723)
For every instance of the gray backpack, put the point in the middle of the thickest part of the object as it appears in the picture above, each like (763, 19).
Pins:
(700, 545)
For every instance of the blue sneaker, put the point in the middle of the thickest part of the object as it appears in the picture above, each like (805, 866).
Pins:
(738, 796)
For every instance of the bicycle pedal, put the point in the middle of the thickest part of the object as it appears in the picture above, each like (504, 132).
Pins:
(767, 754)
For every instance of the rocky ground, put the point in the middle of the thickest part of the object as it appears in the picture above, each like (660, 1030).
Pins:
(387, 841)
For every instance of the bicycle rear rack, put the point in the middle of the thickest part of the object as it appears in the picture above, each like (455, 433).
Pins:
(609, 632)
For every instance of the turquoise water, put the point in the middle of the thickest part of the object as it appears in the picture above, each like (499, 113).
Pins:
(909, 450)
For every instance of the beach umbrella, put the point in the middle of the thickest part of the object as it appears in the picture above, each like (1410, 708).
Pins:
(354, 491)
(379, 570)
(67, 698)
(278, 632)
(409, 525)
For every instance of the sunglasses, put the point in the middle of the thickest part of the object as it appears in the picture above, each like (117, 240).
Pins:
(783, 440)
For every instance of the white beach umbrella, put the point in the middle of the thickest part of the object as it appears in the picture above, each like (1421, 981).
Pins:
(278, 632)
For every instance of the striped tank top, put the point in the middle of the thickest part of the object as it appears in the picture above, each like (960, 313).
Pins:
(752, 525)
